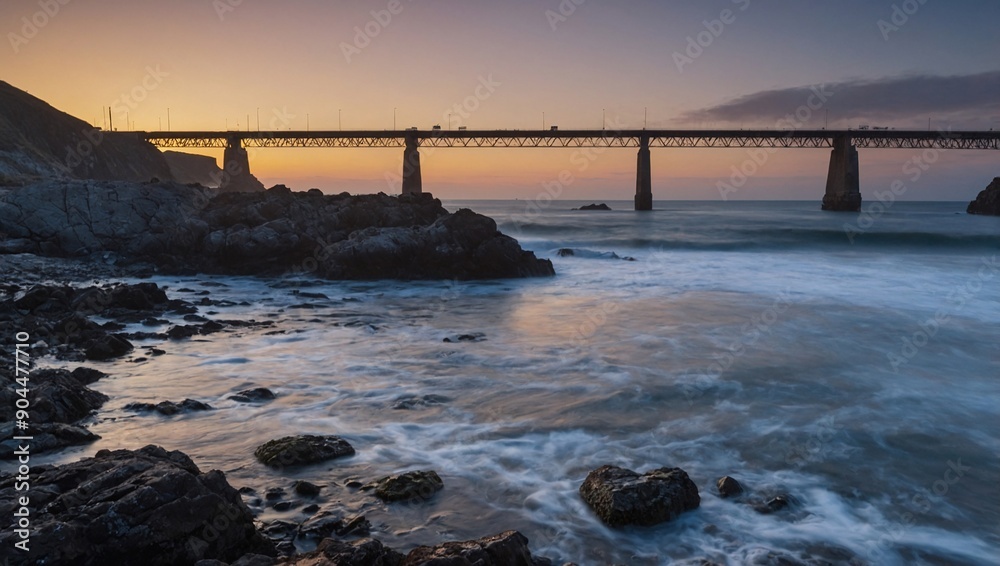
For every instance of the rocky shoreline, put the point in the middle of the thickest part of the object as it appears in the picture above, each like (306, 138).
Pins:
(155, 506)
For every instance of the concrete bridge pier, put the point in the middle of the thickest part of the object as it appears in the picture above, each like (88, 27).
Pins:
(411, 167)
(843, 191)
(643, 177)
(236, 176)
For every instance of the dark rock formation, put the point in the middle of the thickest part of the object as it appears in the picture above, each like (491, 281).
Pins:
(594, 206)
(409, 486)
(147, 507)
(773, 505)
(188, 169)
(296, 450)
(364, 552)
(56, 397)
(45, 437)
(254, 395)
(306, 489)
(39, 142)
(410, 402)
(988, 200)
(181, 229)
(169, 407)
(623, 497)
(236, 177)
(505, 549)
(728, 487)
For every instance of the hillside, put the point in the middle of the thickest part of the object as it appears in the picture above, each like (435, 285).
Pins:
(38, 141)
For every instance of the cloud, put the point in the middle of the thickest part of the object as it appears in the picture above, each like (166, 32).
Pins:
(962, 98)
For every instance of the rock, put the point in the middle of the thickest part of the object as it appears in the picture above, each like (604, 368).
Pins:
(307, 449)
(728, 487)
(107, 348)
(326, 525)
(56, 397)
(364, 552)
(775, 504)
(413, 486)
(988, 200)
(412, 402)
(147, 506)
(623, 497)
(594, 206)
(306, 489)
(509, 548)
(253, 395)
(471, 337)
(169, 407)
(46, 437)
(566, 252)
(182, 229)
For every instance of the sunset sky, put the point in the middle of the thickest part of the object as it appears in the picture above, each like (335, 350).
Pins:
(214, 63)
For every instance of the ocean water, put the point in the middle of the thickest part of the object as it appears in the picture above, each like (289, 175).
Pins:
(849, 361)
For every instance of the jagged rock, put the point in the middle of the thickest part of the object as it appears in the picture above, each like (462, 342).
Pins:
(181, 229)
(56, 397)
(306, 489)
(728, 487)
(594, 206)
(409, 486)
(253, 395)
(772, 505)
(509, 548)
(146, 507)
(169, 407)
(295, 450)
(988, 200)
(364, 552)
(107, 347)
(623, 497)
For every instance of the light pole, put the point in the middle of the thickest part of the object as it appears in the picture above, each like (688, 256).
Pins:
(168, 119)
(604, 119)
(543, 120)
(394, 118)
(340, 124)
(307, 122)
(258, 118)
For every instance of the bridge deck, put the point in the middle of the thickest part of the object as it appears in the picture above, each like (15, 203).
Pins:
(902, 139)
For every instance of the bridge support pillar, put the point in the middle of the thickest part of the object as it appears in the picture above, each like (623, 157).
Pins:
(411, 167)
(843, 186)
(643, 177)
(236, 176)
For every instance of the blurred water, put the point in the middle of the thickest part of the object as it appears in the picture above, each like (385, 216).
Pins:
(752, 339)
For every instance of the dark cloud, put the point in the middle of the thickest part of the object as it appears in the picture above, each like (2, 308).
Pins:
(966, 98)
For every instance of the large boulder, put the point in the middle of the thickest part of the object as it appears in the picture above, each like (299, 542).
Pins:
(509, 548)
(305, 449)
(622, 497)
(56, 397)
(364, 552)
(988, 200)
(146, 507)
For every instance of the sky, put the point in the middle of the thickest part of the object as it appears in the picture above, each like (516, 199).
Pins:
(485, 64)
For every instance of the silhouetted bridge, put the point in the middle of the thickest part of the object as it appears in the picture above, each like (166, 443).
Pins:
(842, 186)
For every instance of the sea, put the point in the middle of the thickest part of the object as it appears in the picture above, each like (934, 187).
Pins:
(847, 362)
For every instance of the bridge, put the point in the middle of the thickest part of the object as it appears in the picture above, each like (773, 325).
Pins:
(842, 184)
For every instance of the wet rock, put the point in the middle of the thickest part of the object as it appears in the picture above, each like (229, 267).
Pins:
(987, 201)
(413, 486)
(326, 525)
(306, 449)
(274, 493)
(594, 206)
(46, 437)
(147, 506)
(254, 395)
(306, 489)
(509, 548)
(413, 402)
(182, 331)
(107, 348)
(565, 252)
(623, 497)
(56, 397)
(470, 337)
(773, 505)
(169, 408)
(728, 487)
(87, 375)
(364, 552)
